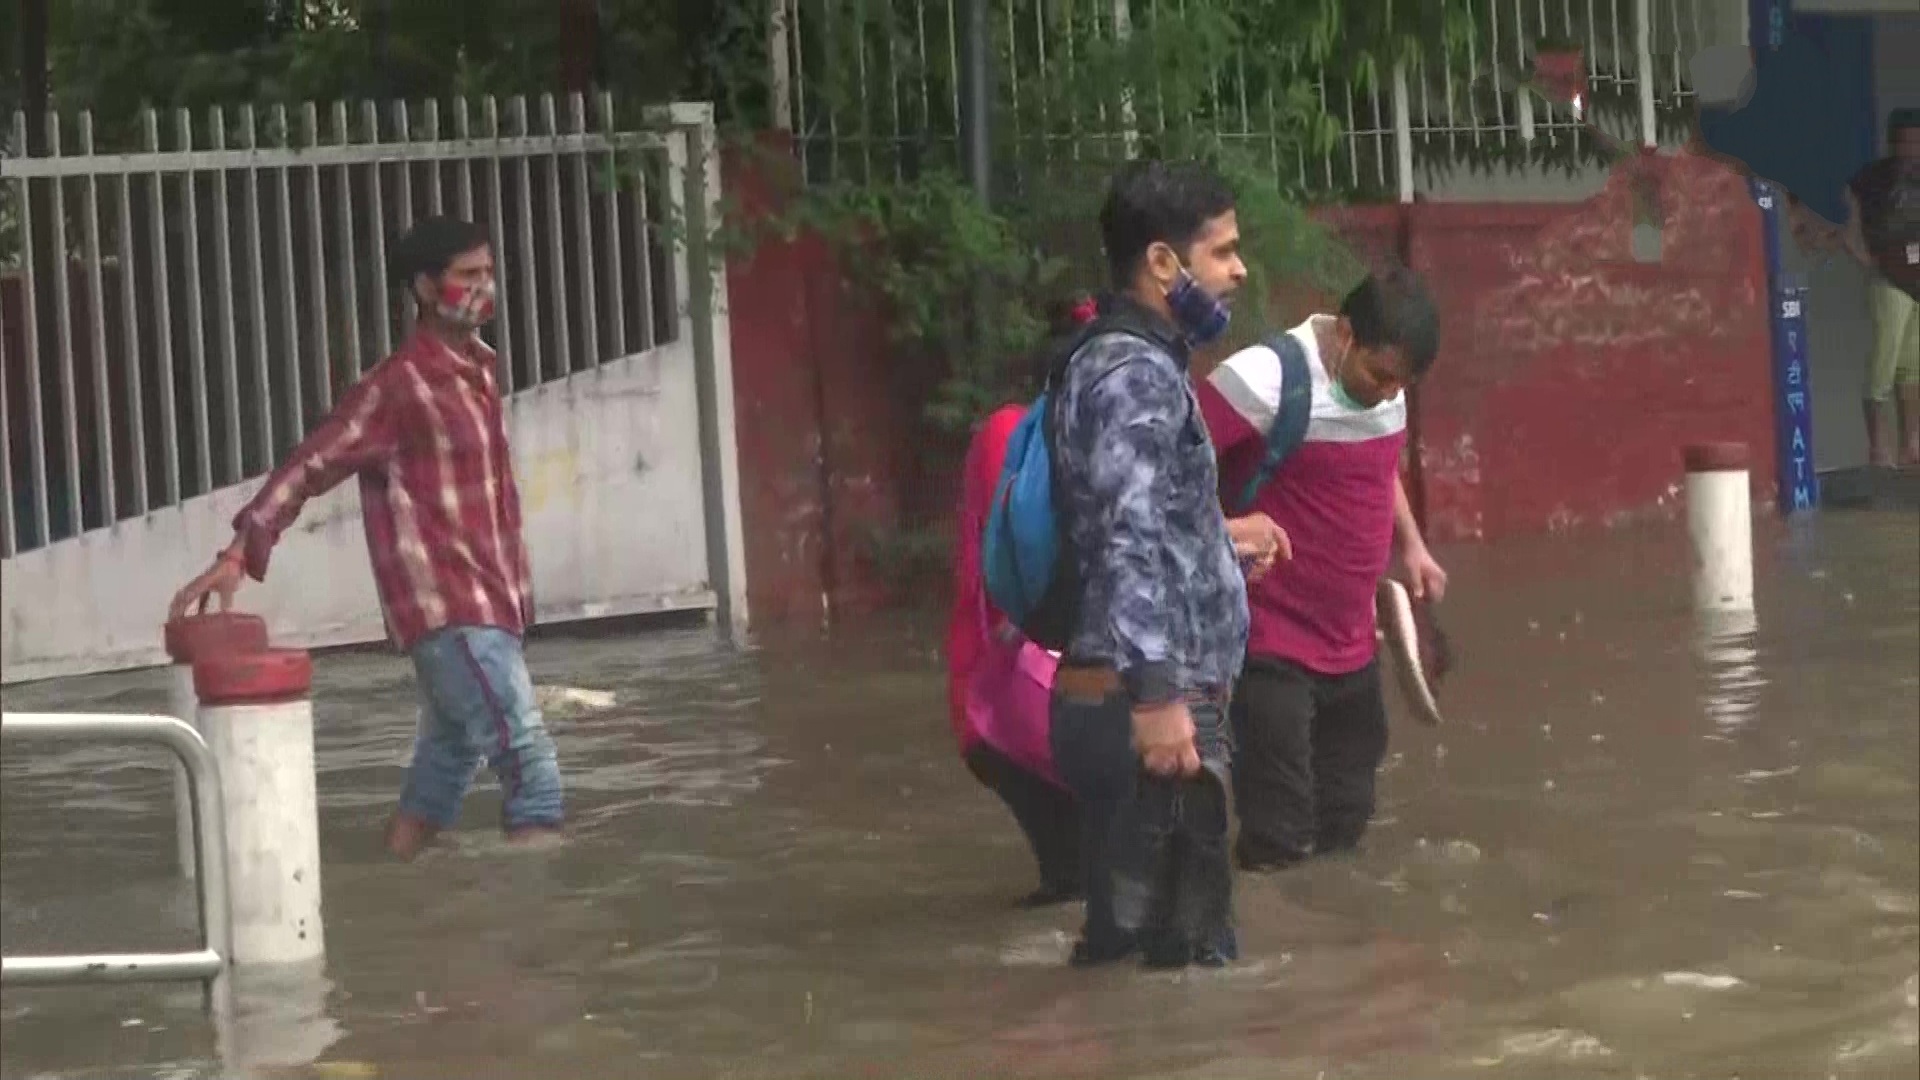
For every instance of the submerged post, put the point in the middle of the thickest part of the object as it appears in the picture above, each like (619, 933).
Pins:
(205, 634)
(256, 715)
(1720, 526)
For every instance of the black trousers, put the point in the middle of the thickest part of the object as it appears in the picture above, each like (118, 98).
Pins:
(1048, 815)
(1307, 747)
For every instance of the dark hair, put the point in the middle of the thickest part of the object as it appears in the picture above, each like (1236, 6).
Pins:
(1152, 202)
(1900, 120)
(430, 247)
(1391, 309)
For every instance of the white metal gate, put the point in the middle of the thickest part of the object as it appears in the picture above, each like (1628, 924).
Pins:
(872, 88)
(188, 295)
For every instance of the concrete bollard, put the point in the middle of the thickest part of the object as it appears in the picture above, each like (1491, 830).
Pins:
(256, 714)
(1720, 526)
(185, 638)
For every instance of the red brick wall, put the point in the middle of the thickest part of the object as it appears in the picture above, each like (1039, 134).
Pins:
(823, 434)
(1568, 380)
(1569, 375)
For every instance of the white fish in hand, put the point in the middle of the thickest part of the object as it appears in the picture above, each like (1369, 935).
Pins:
(1420, 653)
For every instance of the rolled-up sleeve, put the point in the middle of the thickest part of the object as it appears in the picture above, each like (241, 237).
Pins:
(360, 433)
(1138, 413)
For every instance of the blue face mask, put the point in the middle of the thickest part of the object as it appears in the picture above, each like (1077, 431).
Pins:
(1199, 314)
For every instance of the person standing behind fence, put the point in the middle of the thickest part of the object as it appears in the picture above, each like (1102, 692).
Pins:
(425, 433)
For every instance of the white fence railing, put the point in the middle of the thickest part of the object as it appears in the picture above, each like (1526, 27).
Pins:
(872, 88)
(210, 965)
(195, 290)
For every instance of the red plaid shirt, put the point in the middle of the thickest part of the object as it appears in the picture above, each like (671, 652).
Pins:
(425, 433)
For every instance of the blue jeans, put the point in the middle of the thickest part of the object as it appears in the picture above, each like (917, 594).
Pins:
(1128, 820)
(477, 703)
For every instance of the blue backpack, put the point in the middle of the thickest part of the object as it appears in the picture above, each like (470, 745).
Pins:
(1026, 558)
(1289, 428)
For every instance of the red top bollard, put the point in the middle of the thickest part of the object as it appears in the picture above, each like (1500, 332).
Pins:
(208, 633)
(1716, 457)
(267, 677)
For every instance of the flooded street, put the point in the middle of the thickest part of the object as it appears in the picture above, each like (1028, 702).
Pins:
(1641, 848)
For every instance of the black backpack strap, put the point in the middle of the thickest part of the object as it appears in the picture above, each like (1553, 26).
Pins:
(1295, 412)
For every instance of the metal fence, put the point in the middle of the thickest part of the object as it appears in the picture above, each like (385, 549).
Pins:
(872, 88)
(208, 965)
(195, 290)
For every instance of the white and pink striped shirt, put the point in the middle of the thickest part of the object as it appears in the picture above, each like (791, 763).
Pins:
(1334, 496)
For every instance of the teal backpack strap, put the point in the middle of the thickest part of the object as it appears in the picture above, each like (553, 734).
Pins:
(1289, 428)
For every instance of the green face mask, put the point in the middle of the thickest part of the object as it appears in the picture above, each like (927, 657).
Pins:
(1339, 391)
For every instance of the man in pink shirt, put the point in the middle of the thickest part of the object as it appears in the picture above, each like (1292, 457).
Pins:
(1309, 722)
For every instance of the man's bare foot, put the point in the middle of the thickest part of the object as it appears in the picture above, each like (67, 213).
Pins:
(1880, 459)
(407, 835)
(536, 836)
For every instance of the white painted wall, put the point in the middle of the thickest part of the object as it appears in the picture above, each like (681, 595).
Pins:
(609, 468)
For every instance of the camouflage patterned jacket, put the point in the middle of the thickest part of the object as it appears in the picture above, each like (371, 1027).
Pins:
(1164, 601)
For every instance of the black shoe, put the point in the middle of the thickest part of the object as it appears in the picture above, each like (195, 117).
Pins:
(1192, 908)
(1203, 903)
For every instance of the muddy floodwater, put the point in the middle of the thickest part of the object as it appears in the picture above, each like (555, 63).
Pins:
(1644, 847)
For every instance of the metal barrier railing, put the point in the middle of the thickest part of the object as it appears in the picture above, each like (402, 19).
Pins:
(209, 965)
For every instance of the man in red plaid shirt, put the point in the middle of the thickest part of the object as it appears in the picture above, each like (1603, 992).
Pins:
(425, 434)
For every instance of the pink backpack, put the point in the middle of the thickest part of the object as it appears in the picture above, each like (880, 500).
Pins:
(1008, 699)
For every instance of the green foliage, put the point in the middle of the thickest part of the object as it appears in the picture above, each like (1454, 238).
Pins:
(967, 287)
(115, 57)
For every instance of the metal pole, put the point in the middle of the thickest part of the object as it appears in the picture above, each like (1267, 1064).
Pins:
(1643, 55)
(779, 66)
(1402, 132)
(694, 187)
(975, 109)
(35, 92)
(1122, 32)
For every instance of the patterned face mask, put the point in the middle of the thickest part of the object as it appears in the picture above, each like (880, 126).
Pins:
(1200, 314)
(469, 306)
